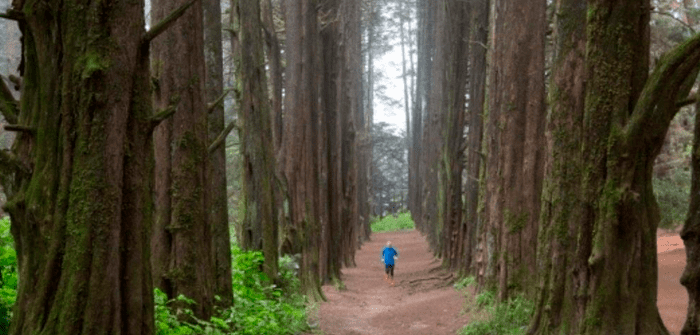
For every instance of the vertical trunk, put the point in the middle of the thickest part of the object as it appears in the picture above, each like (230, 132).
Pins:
(516, 129)
(477, 97)
(416, 156)
(624, 122)
(182, 248)
(255, 133)
(348, 107)
(406, 106)
(300, 138)
(80, 195)
(455, 38)
(691, 239)
(218, 214)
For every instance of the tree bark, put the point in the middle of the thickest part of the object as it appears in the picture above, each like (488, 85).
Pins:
(218, 215)
(255, 133)
(82, 209)
(516, 136)
(300, 138)
(182, 246)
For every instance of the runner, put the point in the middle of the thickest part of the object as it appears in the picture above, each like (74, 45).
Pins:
(389, 254)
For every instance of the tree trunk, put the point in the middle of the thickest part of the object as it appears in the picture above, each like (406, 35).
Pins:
(516, 136)
(181, 247)
(255, 133)
(691, 239)
(454, 40)
(218, 215)
(625, 118)
(300, 138)
(80, 193)
(477, 97)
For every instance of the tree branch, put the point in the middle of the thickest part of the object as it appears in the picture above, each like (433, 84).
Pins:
(671, 81)
(687, 26)
(165, 23)
(162, 115)
(12, 15)
(21, 129)
(222, 137)
(8, 104)
(686, 102)
(216, 103)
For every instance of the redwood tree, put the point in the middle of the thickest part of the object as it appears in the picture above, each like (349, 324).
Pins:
(79, 173)
(611, 261)
(181, 241)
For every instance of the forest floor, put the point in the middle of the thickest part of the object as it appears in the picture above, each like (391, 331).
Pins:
(423, 300)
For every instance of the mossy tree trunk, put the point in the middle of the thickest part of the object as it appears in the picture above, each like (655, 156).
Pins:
(80, 189)
(610, 258)
(454, 40)
(182, 241)
(300, 137)
(516, 136)
(474, 159)
(691, 239)
(218, 214)
(255, 133)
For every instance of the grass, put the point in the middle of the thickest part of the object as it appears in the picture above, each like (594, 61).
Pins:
(490, 317)
(673, 194)
(402, 221)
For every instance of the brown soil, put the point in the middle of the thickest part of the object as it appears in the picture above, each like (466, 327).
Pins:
(672, 296)
(424, 301)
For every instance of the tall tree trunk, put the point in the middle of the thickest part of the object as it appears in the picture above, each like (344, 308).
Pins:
(181, 247)
(477, 97)
(300, 138)
(691, 239)
(625, 119)
(454, 41)
(218, 214)
(79, 192)
(516, 137)
(416, 155)
(255, 133)
(406, 105)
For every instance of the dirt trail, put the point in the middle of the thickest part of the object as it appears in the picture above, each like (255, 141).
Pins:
(422, 302)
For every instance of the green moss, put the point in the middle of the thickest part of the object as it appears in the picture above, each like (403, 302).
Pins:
(515, 222)
(93, 62)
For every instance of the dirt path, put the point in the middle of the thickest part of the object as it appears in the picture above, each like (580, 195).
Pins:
(672, 298)
(422, 302)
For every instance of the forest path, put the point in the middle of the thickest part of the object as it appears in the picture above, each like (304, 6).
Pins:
(672, 298)
(422, 302)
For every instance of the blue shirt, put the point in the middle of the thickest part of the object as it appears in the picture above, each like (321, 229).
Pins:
(388, 253)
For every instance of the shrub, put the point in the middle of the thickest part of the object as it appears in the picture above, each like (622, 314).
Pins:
(8, 269)
(391, 223)
(509, 318)
(672, 194)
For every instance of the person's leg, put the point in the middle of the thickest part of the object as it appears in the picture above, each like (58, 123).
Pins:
(386, 273)
(392, 275)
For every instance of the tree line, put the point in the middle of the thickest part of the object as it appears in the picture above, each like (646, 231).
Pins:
(555, 113)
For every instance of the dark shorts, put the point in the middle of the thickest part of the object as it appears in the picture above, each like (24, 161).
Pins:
(389, 269)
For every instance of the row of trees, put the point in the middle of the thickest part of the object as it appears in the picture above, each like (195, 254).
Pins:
(557, 202)
(116, 181)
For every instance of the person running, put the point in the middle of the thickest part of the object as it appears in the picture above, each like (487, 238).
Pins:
(389, 254)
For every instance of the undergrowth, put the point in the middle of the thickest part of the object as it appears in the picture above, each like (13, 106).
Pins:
(490, 317)
(672, 194)
(260, 307)
(8, 271)
(392, 223)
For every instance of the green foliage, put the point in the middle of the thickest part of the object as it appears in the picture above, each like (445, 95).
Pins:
(509, 318)
(672, 194)
(260, 307)
(391, 223)
(465, 282)
(8, 269)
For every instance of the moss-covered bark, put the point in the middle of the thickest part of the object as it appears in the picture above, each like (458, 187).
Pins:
(299, 153)
(81, 213)
(218, 215)
(257, 146)
(608, 242)
(182, 238)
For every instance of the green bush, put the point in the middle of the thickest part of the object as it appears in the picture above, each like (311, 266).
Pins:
(391, 223)
(672, 194)
(509, 318)
(465, 282)
(8, 270)
(260, 307)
